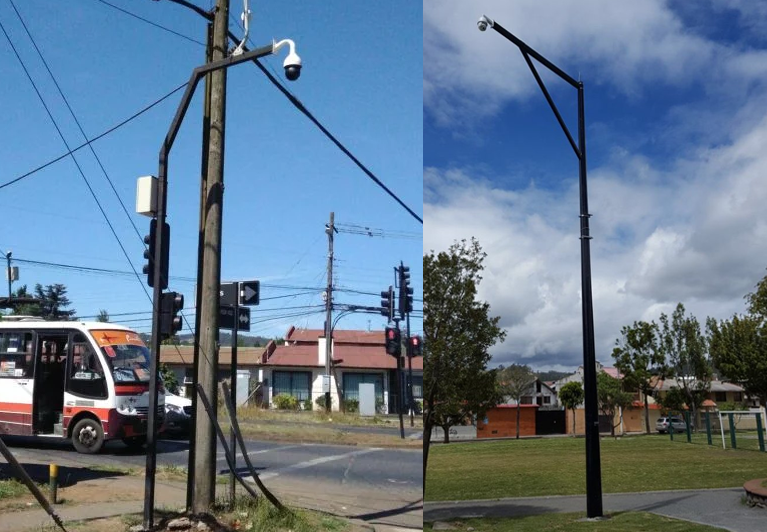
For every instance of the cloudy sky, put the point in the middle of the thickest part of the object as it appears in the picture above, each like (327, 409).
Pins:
(676, 114)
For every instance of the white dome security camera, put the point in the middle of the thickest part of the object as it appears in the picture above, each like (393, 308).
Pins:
(292, 62)
(484, 22)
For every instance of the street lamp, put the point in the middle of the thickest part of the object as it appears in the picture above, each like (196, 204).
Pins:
(593, 467)
(292, 70)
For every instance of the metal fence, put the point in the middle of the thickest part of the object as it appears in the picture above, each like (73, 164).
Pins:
(729, 429)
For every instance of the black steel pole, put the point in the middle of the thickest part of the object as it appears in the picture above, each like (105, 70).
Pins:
(8, 256)
(409, 354)
(233, 391)
(593, 463)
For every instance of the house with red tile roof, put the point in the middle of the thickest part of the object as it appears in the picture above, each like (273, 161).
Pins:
(357, 357)
(297, 365)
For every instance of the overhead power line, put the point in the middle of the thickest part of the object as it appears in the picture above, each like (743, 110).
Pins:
(302, 108)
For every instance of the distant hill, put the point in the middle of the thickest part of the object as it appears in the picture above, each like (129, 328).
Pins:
(552, 375)
(224, 337)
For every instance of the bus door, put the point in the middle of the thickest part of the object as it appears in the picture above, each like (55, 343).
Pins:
(16, 381)
(50, 371)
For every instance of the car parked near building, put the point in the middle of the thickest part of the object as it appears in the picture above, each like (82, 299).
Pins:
(677, 424)
(178, 414)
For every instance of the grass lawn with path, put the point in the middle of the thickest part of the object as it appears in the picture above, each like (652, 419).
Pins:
(557, 466)
(618, 522)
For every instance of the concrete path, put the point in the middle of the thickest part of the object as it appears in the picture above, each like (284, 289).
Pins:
(716, 507)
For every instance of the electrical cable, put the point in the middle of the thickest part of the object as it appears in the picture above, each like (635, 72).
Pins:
(74, 159)
(79, 126)
(94, 139)
(152, 23)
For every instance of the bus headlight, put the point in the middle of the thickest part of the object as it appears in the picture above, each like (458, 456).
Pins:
(126, 409)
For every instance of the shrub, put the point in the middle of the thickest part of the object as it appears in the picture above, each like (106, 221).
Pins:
(320, 402)
(352, 405)
(419, 406)
(307, 404)
(380, 406)
(284, 401)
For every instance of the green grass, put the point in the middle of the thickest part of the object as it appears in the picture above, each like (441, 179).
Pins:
(10, 489)
(250, 514)
(618, 522)
(556, 466)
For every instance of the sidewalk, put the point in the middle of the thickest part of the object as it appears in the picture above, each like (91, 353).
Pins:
(716, 507)
(170, 495)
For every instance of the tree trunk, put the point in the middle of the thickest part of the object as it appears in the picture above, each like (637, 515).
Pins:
(426, 443)
(573, 411)
(446, 430)
(646, 414)
(517, 419)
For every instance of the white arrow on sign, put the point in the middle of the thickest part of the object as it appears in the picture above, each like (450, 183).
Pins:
(244, 318)
(249, 293)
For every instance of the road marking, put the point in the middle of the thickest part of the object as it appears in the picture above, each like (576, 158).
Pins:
(316, 461)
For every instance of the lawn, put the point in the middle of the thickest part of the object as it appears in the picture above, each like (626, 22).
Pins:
(619, 522)
(557, 466)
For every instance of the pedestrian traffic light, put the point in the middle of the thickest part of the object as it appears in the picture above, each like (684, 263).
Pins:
(387, 303)
(405, 291)
(416, 346)
(393, 346)
(150, 254)
(170, 321)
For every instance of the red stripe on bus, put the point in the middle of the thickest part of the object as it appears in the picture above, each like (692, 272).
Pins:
(25, 408)
(130, 389)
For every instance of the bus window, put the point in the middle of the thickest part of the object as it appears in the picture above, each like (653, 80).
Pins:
(86, 375)
(16, 357)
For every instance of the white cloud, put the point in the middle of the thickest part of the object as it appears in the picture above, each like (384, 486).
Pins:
(693, 233)
(627, 45)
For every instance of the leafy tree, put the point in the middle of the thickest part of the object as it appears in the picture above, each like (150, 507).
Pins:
(673, 400)
(513, 382)
(458, 331)
(26, 309)
(686, 353)
(571, 395)
(738, 346)
(169, 378)
(611, 397)
(639, 358)
(53, 302)
(103, 316)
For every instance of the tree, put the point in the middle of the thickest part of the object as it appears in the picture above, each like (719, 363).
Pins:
(612, 398)
(458, 331)
(27, 309)
(571, 395)
(103, 316)
(686, 353)
(169, 379)
(53, 302)
(513, 382)
(739, 351)
(639, 358)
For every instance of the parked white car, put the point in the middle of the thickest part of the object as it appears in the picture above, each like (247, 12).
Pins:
(178, 413)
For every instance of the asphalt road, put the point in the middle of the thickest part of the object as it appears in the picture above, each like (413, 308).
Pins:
(362, 480)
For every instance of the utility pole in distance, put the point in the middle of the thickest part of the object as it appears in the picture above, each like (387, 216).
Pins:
(203, 495)
(330, 228)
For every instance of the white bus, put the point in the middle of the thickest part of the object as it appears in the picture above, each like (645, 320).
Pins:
(86, 381)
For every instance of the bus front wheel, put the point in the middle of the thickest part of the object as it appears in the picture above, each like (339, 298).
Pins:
(88, 436)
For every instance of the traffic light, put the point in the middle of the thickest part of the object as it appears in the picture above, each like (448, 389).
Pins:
(387, 303)
(149, 253)
(170, 321)
(416, 346)
(149, 241)
(405, 291)
(393, 346)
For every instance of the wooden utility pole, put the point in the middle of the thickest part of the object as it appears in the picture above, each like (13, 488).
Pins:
(207, 365)
(329, 310)
(200, 266)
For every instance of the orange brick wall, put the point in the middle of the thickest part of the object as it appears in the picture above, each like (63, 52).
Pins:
(502, 423)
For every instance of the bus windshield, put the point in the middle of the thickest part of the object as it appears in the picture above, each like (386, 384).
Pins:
(126, 355)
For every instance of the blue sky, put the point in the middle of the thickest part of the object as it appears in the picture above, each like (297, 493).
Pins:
(362, 76)
(676, 115)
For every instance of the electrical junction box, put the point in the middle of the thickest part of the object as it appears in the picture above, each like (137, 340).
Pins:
(146, 195)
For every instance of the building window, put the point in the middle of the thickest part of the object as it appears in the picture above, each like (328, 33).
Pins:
(547, 399)
(352, 383)
(738, 397)
(526, 400)
(418, 386)
(295, 383)
(720, 397)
